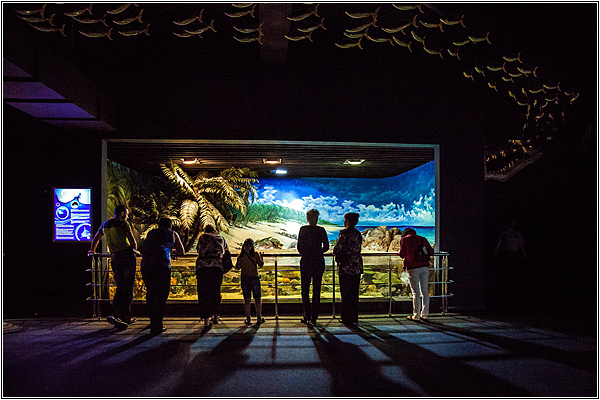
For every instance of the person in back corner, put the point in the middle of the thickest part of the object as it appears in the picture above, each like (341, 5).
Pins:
(416, 252)
(156, 270)
(312, 243)
(123, 249)
(209, 274)
(249, 261)
(350, 267)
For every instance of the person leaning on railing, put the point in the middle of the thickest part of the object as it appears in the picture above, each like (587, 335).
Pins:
(416, 252)
(123, 250)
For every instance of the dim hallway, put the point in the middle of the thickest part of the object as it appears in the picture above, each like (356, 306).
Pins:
(452, 355)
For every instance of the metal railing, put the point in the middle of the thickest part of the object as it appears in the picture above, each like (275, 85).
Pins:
(395, 288)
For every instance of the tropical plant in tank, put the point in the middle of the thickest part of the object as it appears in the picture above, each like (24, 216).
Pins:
(119, 186)
(148, 207)
(211, 200)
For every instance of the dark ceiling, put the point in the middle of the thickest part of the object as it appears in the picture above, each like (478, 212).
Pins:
(304, 159)
(465, 61)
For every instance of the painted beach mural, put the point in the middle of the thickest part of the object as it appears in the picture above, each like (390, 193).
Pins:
(386, 206)
(271, 211)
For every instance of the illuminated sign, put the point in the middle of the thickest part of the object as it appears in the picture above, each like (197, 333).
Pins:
(73, 215)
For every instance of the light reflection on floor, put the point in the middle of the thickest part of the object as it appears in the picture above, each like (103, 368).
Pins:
(451, 356)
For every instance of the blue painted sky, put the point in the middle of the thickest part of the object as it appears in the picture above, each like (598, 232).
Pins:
(406, 199)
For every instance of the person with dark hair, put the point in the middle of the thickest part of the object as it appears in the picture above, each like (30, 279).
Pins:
(156, 270)
(350, 267)
(416, 252)
(312, 243)
(123, 249)
(209, 274)
(249, 261)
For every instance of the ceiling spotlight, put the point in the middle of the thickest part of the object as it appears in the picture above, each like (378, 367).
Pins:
(271, 160)
(355, 162)
(280, 171)
(189, 161)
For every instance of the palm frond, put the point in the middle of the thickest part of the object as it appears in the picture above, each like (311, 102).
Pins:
(179, 177)
(188, 211)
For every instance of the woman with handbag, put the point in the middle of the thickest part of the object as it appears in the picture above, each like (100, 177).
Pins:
(416, 252)
(350, 267)
(249, 261)
(209, 274)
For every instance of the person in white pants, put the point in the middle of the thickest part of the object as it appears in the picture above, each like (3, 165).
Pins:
(416, 252)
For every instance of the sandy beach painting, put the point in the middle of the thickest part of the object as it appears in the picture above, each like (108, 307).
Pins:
(279, 210)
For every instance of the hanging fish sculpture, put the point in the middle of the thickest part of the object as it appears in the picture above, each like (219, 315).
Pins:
(250, 40)
(188, 21)
(408, 7)
(417, 37)
(400, 28)
(249, 30)
(358, 28)
(453, 22)
(76, 13)
(513, 58)
(48, 29)
(242, 13)
(37, 20)
(469, 75)
(314, 27)
(119, 9)
(350, 45)
(496, 68)
(127, 21)
(430, 25)
(453, 53)
(31, 12)
(305, 15)
(242, 5)
(298, 38)
(211, 26)
(91, 20)
(464, 42)
(363, 15)
(135, 32)
(402, 43)
(98, 34)
(476, 39)
(378, 40)
(182, 35)
(357, 35)
(430, 51)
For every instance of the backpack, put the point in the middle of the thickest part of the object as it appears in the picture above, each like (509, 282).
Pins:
(421, 254)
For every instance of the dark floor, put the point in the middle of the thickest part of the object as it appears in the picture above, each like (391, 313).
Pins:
(452, 355)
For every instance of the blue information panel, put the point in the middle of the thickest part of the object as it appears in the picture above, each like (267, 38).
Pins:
(73, 215)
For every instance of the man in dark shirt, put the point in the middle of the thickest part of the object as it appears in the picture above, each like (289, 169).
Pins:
(123, 249)
(312, 243)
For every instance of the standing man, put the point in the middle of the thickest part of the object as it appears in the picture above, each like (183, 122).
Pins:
(123, 249)
(312, 243)
(156, 270)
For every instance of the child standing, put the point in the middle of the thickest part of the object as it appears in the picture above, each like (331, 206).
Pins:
(249, 261)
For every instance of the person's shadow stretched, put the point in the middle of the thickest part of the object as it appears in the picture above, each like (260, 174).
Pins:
(353, 372)
(206, 370)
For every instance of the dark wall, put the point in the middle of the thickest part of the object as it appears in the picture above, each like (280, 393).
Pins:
(41, 277)
(555, 203)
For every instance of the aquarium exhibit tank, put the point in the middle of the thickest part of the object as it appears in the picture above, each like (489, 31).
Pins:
(386, 207)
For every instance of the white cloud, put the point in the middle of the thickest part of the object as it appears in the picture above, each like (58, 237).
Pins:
(420, 213)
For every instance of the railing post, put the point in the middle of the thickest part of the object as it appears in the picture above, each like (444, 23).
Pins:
(276, 292)
(390, 285)
(333, 294)
(444, 284)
